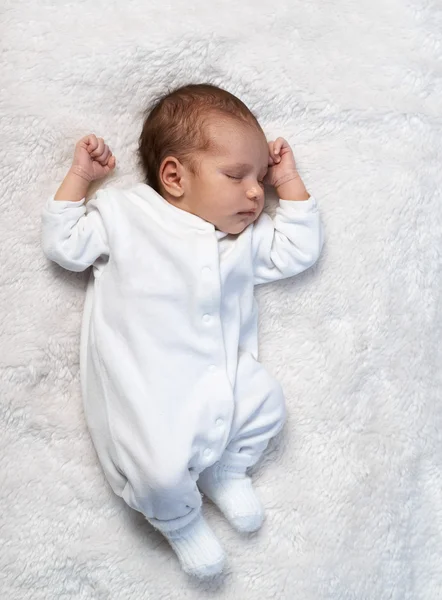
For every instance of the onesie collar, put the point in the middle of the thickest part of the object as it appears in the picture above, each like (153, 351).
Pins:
(179, 216)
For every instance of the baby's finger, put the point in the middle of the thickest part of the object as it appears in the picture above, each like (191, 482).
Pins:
(275, 155)
(105, 161)
(104, 157)
(91, 142)
(99, 149)
(281, 141)
(278, 145)
(271, 153)
(110, 165)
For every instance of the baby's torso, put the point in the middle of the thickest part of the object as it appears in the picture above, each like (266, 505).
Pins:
(173, 287)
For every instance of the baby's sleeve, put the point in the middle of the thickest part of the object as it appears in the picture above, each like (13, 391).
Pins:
(288, 244)
(73, 235)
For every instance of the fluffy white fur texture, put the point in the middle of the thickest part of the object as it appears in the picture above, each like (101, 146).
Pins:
(353, 489)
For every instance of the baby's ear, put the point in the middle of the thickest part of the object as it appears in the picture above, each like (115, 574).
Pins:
(171, 176)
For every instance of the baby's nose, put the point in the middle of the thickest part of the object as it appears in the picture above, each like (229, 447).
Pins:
(253, 193)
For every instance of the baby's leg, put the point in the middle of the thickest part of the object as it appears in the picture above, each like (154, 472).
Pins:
(259, 415)
(148, 468)
(171, 502)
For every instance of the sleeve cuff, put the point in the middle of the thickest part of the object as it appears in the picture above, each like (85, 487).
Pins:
(58, 206)
(299, 205)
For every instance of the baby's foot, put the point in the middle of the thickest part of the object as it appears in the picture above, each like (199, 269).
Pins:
(234, 495)
(197, 548)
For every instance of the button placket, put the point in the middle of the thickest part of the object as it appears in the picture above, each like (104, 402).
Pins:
(209, 252)
(211, 293)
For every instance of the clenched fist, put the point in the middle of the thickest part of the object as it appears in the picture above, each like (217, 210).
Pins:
(282, 164)
(93, 158)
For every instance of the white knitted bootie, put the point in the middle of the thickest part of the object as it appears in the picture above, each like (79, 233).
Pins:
(197, 548)
(234, 495)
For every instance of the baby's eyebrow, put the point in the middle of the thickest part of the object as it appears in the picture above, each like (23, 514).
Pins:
(238, 167)
(241, 166)
(246, 167)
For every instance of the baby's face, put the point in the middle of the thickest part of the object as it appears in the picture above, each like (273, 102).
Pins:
(228, 190)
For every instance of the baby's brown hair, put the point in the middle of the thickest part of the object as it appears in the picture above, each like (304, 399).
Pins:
(175, 125)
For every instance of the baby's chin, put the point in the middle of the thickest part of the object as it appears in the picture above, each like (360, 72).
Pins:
(236, 225)
(235, 229)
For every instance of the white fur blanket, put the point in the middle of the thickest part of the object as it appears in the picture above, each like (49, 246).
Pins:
(353, 487)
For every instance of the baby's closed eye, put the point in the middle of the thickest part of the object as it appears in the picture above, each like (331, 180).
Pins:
(240, 178)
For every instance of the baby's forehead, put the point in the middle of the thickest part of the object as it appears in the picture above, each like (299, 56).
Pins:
(242, 156)
(235, 144)
(226, 133)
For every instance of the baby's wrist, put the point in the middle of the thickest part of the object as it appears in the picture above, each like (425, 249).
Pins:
(291, 176)
(77, 172)
(292, 189)
(73, 188)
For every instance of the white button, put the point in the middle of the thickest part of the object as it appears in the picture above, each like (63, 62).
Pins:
(219, 422)
(206, 271)
(212, 368)
(207, 318)
(207, 452)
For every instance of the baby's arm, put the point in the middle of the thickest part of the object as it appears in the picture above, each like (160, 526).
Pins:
(292, 241)
(71, 236)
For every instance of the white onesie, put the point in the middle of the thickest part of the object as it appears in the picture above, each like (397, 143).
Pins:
(170, 378)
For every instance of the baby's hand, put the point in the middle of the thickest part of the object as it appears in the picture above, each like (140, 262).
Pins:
(92, 158)
(282, 164)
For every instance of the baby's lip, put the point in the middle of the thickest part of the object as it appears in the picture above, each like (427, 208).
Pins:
(247, 212)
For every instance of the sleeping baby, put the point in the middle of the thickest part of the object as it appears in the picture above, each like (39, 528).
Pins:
(175, 399)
